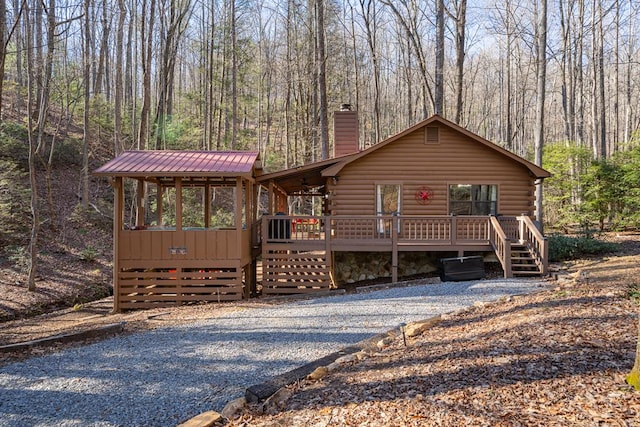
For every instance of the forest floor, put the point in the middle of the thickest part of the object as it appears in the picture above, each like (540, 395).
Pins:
(555, 357)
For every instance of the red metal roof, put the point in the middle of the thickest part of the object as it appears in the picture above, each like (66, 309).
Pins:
(180, 163)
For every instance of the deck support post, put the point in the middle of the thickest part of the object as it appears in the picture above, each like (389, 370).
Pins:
(454, 231)
(328, 254)
(394, 248)
(118, 203)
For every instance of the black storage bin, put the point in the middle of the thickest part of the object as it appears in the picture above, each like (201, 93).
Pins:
(280, 229)
(461, 268)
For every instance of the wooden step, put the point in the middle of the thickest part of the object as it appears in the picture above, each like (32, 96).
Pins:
(522, 262)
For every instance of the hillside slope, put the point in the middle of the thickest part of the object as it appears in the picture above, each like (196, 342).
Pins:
(75, 246)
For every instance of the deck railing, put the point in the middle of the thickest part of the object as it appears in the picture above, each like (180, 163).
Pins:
(502, 245)
(537, 243)
(441, 230)
(367, 231)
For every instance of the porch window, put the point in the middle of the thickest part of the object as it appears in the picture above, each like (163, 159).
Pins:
(476, 199)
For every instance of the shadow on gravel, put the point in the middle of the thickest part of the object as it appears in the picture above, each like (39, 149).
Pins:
(169, 374)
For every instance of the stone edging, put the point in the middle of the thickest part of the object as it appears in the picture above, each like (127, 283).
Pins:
(273, 391)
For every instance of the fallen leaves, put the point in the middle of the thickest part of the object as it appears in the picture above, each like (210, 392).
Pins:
(554, 358)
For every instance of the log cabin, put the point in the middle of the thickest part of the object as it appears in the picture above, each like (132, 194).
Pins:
(434, 189)
(194, 232)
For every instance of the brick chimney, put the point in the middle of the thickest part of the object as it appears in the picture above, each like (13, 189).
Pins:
(345, 131)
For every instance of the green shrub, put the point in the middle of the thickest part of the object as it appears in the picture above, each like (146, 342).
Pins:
(633, 292)
(562, 247)
(89, 254)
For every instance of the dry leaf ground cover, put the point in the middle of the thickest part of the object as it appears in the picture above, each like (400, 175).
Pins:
(557, 357)
(554, 358)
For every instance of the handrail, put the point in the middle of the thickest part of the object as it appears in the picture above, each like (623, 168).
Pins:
(538, 244)
(436, 229)
(501, 245)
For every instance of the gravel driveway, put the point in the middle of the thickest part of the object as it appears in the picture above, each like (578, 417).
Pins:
(165, 376)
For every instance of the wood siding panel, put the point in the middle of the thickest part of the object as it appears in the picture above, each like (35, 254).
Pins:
(409, 161)
(209, 245)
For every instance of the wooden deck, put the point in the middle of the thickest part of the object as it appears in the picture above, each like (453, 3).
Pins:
(297, 250)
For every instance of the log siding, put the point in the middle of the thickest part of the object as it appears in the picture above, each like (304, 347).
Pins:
(409, 162)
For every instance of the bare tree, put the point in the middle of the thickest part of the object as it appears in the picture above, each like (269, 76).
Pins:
(86, 76)
(175, 25)
(459, 15)
(370, 17)
(4, 37)
(439, 73)
(146, 44)
(35, 215)
(102, 74)
(541, 75)
(119, 90)
(234, 75)
(321, 58)
(410, 24)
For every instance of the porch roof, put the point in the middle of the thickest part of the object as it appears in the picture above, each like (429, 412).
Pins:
(303, 177)
(187, 163)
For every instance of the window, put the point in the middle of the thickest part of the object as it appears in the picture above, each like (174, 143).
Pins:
(388, 202)
(388, 199)
(467, 199)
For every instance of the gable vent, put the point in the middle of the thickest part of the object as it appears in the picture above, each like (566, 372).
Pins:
(432, 135)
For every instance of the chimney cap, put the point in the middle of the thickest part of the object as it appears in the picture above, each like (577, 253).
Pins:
(345, 107)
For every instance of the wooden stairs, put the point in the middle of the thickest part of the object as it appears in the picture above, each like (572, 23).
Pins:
(523, 262)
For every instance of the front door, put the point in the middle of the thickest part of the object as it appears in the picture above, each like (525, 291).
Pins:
(387, 203)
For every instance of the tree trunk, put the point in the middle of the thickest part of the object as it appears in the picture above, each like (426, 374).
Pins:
(117, 102)
(602, 136)
(410, 26)
(541, 53)
(104, 52)
(234, 76)
(580, 95)
(3, 48)
(146, 45)
(35, 219)
(369, 15)
(439, 73)
(460, 18)
(322, 81)
(87, 93)
(18, 8)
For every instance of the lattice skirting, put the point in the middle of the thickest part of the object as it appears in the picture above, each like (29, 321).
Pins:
(291, 272)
